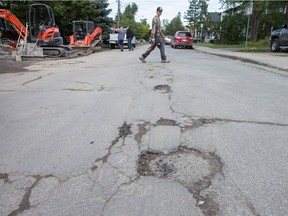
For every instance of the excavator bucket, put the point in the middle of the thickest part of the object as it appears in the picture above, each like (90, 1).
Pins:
(87, 49)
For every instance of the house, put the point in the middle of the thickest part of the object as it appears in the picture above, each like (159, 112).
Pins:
(215, 17)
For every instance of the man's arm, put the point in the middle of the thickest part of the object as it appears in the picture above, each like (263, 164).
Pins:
(153, 30)
(162, 34)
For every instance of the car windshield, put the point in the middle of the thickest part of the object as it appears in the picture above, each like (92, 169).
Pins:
(184, 34)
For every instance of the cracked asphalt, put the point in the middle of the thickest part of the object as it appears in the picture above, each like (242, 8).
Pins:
(107, 135)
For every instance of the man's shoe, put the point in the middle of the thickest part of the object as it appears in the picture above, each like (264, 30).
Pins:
(165, 61)
(142, 59)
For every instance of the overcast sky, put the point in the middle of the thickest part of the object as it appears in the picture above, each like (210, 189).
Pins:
(147, 8)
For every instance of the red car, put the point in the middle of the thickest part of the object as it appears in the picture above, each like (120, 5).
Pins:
(183, 39)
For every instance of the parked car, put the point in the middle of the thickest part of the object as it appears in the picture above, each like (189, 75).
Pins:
(279, 39)
(168, 40)
(183, 39)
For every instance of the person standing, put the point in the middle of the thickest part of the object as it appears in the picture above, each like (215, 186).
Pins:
(121, 36)
(158, 38)
(129, 35)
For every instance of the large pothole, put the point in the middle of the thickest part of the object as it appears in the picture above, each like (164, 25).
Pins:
(163, 88)
(190, 167)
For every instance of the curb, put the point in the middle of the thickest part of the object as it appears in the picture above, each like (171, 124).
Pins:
(243, 59)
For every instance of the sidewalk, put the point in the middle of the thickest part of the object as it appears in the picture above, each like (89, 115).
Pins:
(274, 60)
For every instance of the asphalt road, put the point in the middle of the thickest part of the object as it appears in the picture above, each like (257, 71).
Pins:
(108, 135)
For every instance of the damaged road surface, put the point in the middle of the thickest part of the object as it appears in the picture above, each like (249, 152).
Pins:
(91, 136)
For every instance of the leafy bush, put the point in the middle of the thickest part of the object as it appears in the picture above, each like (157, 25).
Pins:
(233, 29)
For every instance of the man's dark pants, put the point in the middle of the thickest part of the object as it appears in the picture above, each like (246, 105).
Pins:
(160, 44)
(120, 44)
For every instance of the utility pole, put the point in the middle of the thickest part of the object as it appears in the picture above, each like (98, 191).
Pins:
(249, 12)
(118, 14)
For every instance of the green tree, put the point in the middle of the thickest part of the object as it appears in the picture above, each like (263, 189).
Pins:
(141, 28)
(272, 18)
(128, 16)
(197, 16)
(233, 29)
(93, 10)
(144, 29)
(175, 25)
(193, 13)
(165, 23)
(130, 11)
(266, 15)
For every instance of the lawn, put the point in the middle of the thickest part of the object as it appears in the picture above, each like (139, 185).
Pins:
(259, 46)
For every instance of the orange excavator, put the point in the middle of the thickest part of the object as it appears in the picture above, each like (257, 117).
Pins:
(42, 29)
(15, 22)
(86, 37)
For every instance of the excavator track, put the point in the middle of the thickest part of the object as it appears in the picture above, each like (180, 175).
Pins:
(59, 51)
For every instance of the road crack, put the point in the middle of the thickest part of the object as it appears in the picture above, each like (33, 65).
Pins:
(25, 203)
(5, 177)
(38, 78)
(124, 131)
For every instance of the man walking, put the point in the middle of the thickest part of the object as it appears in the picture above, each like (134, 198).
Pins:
(129, 35)
(121, 36)
(158, 38)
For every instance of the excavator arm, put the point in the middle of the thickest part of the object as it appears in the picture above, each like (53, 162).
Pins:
(89, 38)
(15, 23)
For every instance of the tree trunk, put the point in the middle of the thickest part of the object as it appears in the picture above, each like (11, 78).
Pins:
(255, 26)
(255, 21)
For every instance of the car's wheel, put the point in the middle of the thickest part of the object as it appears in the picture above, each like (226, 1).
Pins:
(275, 45)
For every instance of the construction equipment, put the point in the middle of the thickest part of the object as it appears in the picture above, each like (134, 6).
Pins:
(86, 37)
(14, 21)
(41, 30)
(18, 49)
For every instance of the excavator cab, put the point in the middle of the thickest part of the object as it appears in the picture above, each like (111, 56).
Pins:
(82, 28)
(86, 37)
(42, 27)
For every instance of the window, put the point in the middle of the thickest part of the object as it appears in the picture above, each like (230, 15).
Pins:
(184, 34)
